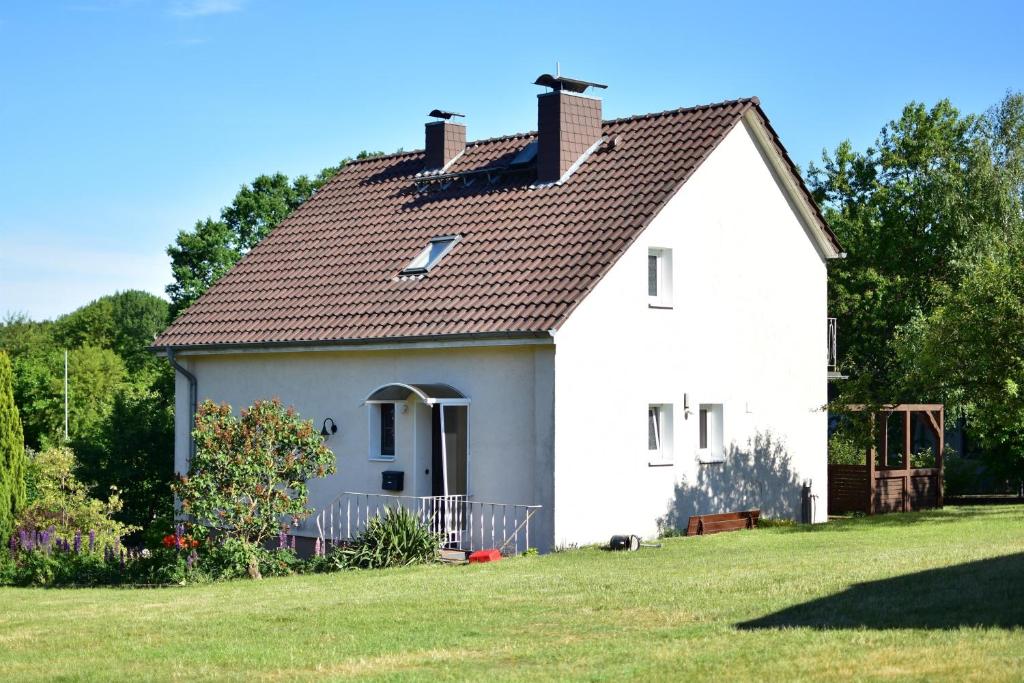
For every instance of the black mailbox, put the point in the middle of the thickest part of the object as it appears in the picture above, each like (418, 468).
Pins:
(392, 480)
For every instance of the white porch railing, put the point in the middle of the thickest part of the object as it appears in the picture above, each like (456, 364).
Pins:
(462, 523)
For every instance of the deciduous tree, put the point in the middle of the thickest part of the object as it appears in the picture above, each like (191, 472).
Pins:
(203, 255)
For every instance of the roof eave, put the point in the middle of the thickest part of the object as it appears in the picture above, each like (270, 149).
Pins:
(420, 341)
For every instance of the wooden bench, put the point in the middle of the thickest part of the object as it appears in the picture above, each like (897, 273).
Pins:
(700, 525)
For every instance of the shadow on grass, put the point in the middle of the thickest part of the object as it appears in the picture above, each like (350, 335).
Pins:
(905, 519)
(986, 593)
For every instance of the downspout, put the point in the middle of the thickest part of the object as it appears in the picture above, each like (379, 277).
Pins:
(192, 399)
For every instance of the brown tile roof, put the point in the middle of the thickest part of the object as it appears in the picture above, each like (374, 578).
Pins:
(527, 255)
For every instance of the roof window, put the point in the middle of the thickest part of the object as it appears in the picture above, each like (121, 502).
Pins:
(431, 254)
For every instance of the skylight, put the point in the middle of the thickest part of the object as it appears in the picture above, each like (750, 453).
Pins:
(431, 254)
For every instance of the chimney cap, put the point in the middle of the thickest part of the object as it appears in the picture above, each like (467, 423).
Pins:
(565, 83)
(442, 114)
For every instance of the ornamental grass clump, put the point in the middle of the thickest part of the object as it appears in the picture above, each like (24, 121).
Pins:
(395, 539)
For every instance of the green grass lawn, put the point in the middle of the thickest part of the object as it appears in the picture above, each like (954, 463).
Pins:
(929, 596)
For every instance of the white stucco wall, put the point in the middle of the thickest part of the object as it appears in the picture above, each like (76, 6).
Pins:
(511, 389)
(747, 330)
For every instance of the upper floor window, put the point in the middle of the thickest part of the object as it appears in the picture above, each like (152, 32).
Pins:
(659, 278)
(431, 254)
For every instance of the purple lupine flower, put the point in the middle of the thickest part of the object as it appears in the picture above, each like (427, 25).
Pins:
(13, 545)
(317, 548)
(44, 541)
(78, 541)
(179, 531)
(293, 543)
(192, 558)
(282, 540)
(92, 540)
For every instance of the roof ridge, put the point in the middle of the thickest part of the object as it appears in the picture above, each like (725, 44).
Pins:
(680, 110)
(532, 133)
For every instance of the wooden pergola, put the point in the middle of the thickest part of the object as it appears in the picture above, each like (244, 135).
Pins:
(876, 486)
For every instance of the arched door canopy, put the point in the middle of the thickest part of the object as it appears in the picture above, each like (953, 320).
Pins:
(431, 394)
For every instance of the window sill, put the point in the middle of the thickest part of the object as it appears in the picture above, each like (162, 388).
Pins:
(382, 458)
(660, 464)
(660, 307)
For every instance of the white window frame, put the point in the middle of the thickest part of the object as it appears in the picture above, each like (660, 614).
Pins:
(424, 254)
(714, 452)
(660, 414)
(374, 431)
(663, 270)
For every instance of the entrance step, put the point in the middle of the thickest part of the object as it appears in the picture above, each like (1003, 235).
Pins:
(454, 556)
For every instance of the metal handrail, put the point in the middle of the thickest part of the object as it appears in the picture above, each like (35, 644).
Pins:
(460, 522)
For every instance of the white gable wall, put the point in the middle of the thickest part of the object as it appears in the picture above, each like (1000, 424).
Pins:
(747, 330)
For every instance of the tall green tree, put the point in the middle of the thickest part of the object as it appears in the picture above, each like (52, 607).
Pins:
(914, 213)
(969, 351)
(12, 452)
(201, 256)
(124, 322)
(929, 299)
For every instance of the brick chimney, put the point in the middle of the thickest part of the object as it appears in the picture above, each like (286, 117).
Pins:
(445, 140)
(568, 124)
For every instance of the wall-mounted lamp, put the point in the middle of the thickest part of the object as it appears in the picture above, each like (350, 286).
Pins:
(686, 406)
(323, 430)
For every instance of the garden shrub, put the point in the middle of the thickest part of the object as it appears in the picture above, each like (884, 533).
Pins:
(844, 449)
(59, 503)
(249, 473)
(44, 559)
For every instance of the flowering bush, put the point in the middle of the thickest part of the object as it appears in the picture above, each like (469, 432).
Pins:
(249, 473)
(46, 558)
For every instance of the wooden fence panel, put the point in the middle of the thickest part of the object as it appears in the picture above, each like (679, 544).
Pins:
(847, 489)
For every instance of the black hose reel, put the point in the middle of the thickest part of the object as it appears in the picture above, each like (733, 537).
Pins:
(630, 542)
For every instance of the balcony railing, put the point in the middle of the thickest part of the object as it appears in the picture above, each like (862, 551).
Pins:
(833, 356)
(460, 522)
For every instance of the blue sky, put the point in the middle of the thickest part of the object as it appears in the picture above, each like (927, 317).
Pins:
(124, 121)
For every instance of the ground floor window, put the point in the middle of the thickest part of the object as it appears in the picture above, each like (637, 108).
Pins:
(382, 431)
(659, 434)
(710, 439)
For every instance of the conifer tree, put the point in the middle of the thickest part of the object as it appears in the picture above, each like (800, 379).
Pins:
(12, 452)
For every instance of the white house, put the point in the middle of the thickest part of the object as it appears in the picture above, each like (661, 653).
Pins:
(620, 322)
